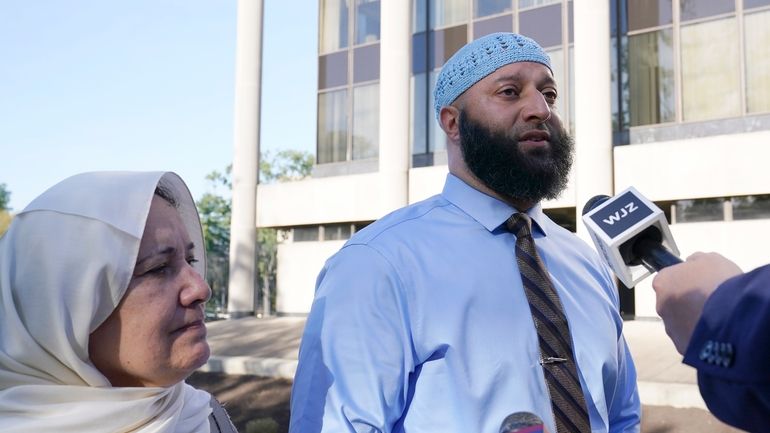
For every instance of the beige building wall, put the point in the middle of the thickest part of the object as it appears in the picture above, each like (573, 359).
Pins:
(716, 166)
(300, 263)
(321, 200)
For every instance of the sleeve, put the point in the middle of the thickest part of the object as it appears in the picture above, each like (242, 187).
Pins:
(730, 348)
(356, 353)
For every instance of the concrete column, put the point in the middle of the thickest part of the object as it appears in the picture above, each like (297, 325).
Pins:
(395, 35)
(593, 112)
(243, 226)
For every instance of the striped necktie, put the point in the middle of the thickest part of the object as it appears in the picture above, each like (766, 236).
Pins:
(557, 357)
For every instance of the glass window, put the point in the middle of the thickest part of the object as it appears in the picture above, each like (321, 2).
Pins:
(366, 63)
(436, 136)
(757, 27)
(532, 3)
(357, 227)
(564, 217)
(446, 42)
(710, 83)
(333, 70)
(571, 89)
(706, 209)
(643, 14)
(502, 23)
(751, 207)
(334, 25)
(366, 123)
(420, 16)
(570, 22)
(755, 3)
(336, 232)
(332, 126)
(367, 21)
(651, 78)
(419, 52)
(620, 98)
(305, 234)
(542, 25)
(421, 115)
(447, 12)
(483, 8)
(694, 9)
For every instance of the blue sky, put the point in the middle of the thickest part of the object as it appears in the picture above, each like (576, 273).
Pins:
(142, 85)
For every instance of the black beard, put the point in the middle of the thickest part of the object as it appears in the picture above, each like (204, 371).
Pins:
(495, 159)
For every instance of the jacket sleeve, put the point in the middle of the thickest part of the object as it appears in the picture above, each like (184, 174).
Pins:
(356, 354)
(730, 348)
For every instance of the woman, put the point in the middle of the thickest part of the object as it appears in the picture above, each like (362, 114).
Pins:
(101, 309)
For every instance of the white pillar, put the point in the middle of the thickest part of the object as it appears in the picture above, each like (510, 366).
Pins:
(243, 225)
(394, 103)
(593, 112)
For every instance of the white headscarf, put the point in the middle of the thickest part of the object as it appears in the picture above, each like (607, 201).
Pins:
(65, 263)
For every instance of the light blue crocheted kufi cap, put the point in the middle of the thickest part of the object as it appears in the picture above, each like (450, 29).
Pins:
(480, 58)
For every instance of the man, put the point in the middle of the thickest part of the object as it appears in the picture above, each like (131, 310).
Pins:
(719, 319)
(423, 322)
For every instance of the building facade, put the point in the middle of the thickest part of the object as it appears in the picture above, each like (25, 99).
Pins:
(669, 96)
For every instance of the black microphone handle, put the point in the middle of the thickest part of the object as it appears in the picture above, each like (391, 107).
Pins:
(653, 255)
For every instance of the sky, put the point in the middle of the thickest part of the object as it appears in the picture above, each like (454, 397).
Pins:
(142, 85)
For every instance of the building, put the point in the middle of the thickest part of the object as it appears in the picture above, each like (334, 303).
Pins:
(669, 96)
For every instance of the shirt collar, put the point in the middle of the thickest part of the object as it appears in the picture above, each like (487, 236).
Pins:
(487, 210)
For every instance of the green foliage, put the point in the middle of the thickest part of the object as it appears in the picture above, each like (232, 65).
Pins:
(262, 425)
(221, 179)
(5, 197)
(285, 166)
(5, 214)
(215, 214)
(215, 211)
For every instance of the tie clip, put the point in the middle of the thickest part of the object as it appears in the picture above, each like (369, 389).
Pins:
(552, 360)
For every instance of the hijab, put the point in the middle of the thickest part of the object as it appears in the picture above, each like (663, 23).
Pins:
(65, 264)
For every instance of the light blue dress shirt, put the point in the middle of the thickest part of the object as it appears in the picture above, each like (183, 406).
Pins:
(420, 324)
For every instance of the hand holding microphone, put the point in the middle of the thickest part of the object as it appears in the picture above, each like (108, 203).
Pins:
(632, 235)
(682, 292)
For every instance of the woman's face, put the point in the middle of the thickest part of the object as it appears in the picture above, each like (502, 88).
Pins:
(156, 336)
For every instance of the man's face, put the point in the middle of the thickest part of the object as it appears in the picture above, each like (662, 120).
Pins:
(511, 138)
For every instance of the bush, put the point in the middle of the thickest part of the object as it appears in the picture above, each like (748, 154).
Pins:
(262, 425)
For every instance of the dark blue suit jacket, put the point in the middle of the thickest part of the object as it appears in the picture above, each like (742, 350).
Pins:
(730, 348)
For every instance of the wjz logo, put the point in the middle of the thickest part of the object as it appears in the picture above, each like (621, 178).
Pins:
(622, 213)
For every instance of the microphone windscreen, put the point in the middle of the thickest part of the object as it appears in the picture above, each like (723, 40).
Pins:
(522, 422)
(594, 202)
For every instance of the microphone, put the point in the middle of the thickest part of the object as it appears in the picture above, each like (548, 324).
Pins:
(631, 234)
(523, 422)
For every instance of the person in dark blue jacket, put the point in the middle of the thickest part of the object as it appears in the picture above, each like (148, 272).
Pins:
(719, 318)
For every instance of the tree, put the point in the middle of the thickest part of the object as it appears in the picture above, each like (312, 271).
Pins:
(215, 211)
(5, 197)
(5, 211)
(285, 166)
